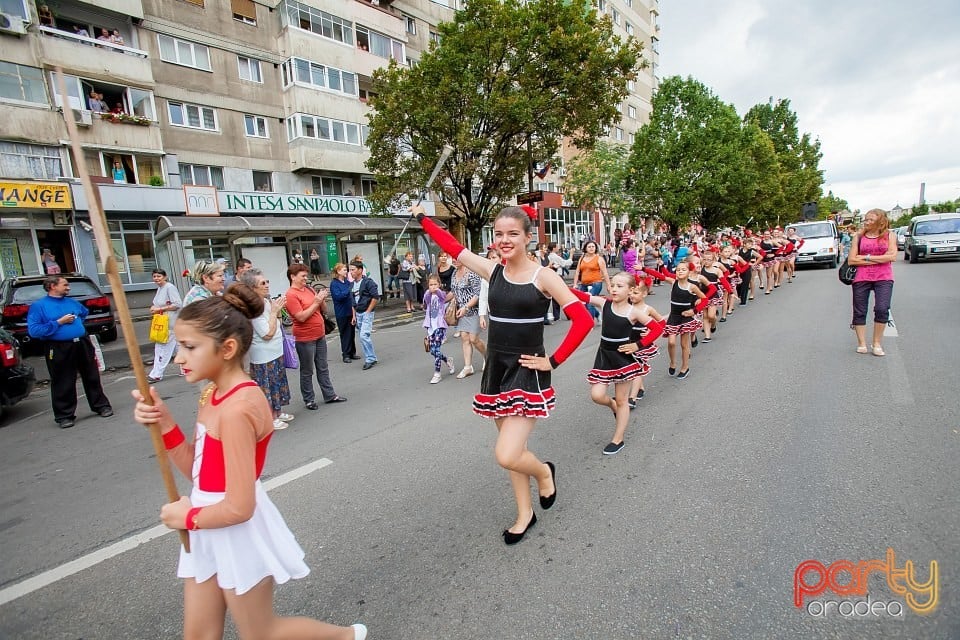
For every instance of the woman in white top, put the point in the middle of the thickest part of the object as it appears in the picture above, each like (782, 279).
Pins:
(166, 301)
(266, 350)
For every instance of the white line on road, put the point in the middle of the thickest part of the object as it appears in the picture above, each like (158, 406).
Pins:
(46, 578)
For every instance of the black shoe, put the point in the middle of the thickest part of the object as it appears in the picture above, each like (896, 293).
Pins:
(347, 360)
(369, 365)
(612, 448)
(707, 339)
(694, 342)
(547, 501)
(640, 394)
(66, 423)
(513, 538)
(356, 358)
(334, 399)
(106, 413)
(153, 380)
(632, 403)
(683, 374)
(312, 406)
(723, 319)
(672, 370)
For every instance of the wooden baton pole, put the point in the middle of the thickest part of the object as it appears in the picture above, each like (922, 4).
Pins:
(102, 236)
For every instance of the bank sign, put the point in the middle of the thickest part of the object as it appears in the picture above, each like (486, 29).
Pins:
(209, 201)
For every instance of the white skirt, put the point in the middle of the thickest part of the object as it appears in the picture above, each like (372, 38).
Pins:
(243, 554)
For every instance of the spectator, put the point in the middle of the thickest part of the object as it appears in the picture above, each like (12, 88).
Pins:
(57, 320)
(341, 291)
(116, 38)
(306, 307)
(465, 286)
(420, 275)
(407, 267)
(591, 274)
(50, 265)
(266, 350)
(119, 173)
(96, 103)
(444, 270)
(365, 298)
(80, 31)
(104, 35)
(393, 276)
(873, 252)
(166, 301)
(243, 265)
(208, 281)
(46, 16)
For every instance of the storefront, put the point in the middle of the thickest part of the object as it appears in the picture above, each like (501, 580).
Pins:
(35, 216)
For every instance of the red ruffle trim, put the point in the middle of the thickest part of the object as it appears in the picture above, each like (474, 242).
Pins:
(610, 376)
(687, 327)
(515, 402)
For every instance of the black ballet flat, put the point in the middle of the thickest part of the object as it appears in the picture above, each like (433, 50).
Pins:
(672, 370)
(513, 538)
(547, 501)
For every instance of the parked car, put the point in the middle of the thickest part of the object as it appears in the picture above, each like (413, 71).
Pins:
(933, 237)
(901, 237)
(821, 243)
(18, 293)
(16, 377)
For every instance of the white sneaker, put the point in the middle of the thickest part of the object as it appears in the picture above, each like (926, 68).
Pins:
(436, 378)
(286, 417)
(279, 425)
(456, 334)
(359, 632)
(453, 367)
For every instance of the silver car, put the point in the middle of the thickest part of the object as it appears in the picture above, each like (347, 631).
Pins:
(932, 237)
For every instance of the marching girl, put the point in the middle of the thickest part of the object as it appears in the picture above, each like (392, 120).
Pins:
(713, 274)
(614, 362)
(435, 322)
(638, 295)
(769, 261)
(749, 254)
(515, 389)
(686, 302)
(794, 242)
(733, 265)
(240, 546)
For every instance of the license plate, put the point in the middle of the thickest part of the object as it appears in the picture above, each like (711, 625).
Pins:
(943, 249)
(804, 258)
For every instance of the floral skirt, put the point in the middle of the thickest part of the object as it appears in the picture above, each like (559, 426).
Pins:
(272, 378)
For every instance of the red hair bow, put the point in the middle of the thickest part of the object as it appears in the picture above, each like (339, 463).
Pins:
(530, 211)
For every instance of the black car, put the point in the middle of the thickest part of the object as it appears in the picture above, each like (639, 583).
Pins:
(18, 293)
(16, 377)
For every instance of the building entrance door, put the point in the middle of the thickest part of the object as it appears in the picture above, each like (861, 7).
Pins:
(58, 241)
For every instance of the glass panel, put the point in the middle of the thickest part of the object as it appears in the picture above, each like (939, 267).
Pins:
(176, 113)
(193, 116)
(302, 70)
(323, 128)
(349, 83)
(184, 53)
(317, 75)
(353, 136)
(248, 124)
(338, 134)
(333, 77)
(307, 127)
(216, 175)
(168, 48)
(209, 119)
(141, 102)
(203, 57)
(397, 50)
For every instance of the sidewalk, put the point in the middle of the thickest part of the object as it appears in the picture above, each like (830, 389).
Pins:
(390, 312)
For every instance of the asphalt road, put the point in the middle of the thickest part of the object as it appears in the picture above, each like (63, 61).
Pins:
(783, 445)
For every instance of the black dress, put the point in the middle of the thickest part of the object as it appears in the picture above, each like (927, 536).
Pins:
(681, 300)
(516, 328)
(610, 365)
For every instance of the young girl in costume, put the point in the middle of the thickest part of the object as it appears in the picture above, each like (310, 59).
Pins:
(515, 389)
(614, 362)
(715, 275)
(435, 322)
(240, 547)
(638, 295)
(686, 303)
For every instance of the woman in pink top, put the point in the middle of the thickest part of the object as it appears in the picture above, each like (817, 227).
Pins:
(873, 251)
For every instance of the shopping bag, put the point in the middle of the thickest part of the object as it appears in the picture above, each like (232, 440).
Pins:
(290, 359)
(160, 328)
(98, 354)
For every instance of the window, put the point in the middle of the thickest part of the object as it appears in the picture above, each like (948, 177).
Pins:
(629, 28)
(313, 74)
(192, 116)
(326, 186)
(262, 181)
(631, 85)
(200, 174)
(133, 246)
(15, 8)
(244, 10)
(435, 37)
(601, 6)
(379, 45)
(183, 52)
(306, 126)
(367, 185)
(316, 21)
(629, 3)
(256, 126)
(616, 16)
(619, 134)
(411, 23)
(249, 69)
(632, 112)
(21, 160)
(22, 84)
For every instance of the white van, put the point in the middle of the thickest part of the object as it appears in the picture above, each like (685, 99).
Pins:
(933, 236)
(821, 243)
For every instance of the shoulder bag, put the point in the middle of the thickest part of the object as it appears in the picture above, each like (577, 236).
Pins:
(847, 272)
(450, 315)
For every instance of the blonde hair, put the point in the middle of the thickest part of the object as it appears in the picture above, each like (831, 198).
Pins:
(205, 269)
(883, 223)
(337, 266)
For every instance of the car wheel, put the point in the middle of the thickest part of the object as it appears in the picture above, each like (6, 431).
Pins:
(109, 335)
(913, 258)
(906, 256)
(834, 264)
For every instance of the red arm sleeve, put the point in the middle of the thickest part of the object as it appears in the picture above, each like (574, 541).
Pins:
(580, 327)
(654, 331)
(651, 272)
(705, 301)
(726, 284)
(799, 244)
(441, 236)
(582, 296)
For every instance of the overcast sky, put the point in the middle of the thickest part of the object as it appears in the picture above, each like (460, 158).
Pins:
(878, 82)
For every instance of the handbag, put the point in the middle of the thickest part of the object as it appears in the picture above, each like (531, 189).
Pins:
(290, 359)
(450, 315)
(426, 344)
(847, 272)
(160, 328)
(329, 324)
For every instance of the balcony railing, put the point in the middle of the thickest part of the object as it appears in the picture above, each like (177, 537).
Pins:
(100, 44)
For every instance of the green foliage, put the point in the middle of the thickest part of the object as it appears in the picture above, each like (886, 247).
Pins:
(598, 178)
(505, 72)
(831, 204)
(155, 181)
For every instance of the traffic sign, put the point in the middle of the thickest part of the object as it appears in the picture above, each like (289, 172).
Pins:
(529, 197)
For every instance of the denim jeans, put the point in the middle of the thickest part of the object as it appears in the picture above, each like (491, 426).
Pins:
(313, 355)
(364, 330)
(594, 290)
(882, 294)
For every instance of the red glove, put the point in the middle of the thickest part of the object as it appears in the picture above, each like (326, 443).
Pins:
(656, 274)
(726, 284)
(799, 244)
(648, 281)
(654, 331)
(441, 236)
(582, 296)
(789, 248)
(705, 302)
(665, 273)
(742, 267)
(763, 254)
(580, 327)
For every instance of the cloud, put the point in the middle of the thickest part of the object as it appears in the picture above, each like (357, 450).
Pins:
(878, 84)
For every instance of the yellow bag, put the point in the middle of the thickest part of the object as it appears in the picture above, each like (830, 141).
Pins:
(160, 328)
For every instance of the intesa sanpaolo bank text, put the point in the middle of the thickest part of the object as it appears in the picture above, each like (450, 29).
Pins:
(287, 203)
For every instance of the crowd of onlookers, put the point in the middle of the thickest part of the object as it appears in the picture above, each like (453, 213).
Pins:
(48, 19)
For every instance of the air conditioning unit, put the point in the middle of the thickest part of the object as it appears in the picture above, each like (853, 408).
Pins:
(82, 117)
(12, 24)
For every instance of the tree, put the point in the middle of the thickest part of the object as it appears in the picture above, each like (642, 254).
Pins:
(506, 74)
(686, 163)
(830, 204)
(763, 173)
(797, 155)
(598, 178)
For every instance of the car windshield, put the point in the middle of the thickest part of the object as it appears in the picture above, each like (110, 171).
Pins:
(31, 292)
(823, 230)
(931, 227)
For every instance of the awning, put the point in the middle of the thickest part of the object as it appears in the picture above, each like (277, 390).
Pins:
(288, 227)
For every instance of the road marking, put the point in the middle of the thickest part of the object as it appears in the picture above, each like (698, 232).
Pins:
(900, 390)
(890, 331)
(56, 574)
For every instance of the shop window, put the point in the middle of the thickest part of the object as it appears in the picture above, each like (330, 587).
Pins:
(134, 250)
(244, 10)
(262, 181)
(22, 160)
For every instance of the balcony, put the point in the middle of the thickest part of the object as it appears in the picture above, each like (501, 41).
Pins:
(316, 155)
(92, 57)
(105, 130)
